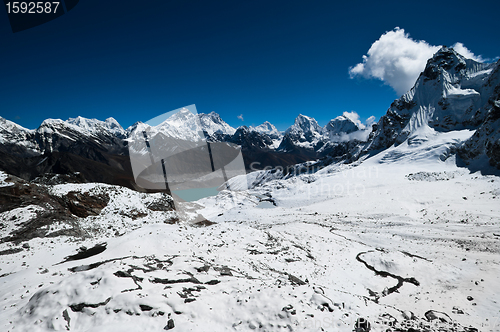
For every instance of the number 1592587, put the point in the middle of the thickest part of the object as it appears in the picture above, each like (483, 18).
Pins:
(40, 7)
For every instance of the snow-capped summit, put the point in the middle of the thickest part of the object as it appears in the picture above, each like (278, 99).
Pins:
(183, 125)
(10, 131)
(250, 139)
(14, 137)
(305, 133)
(448, 95)
(341, 125)
(268, 129)
(305, 125)
(95, 126)
(83, 126)
(213, 124)
(452, 93)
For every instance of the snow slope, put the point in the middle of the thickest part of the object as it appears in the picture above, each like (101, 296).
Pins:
(405, 238)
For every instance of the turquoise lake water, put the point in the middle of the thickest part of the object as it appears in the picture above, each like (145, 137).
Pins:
(195, 194)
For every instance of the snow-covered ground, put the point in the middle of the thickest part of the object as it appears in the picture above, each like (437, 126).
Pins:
(404, 239)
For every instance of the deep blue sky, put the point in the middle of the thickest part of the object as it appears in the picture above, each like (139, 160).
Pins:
(268, 60)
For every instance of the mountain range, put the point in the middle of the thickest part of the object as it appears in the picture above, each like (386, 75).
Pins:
(452, 94)
(99, 150)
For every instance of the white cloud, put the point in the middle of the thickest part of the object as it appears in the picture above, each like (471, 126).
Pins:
(240, 117)
(354, 117)
(361, 134)
(397, 60)
(370, 121)
(460, 48)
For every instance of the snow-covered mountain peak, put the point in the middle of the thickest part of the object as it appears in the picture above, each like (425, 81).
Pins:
(51, 122)
(268, 129)
(447, 58)
(114, 126)
(183, 115)
(49, 126)
(212, 124)
(11, 132)
(94, 126)
(305, 133)
(305, 124)
(6, 125)
(453, 93)
(82, 122)
(448, 66)
(183, 125)
(342, 124)
(137, 127)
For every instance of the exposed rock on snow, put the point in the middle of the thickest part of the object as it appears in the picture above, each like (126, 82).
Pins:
(30, 210)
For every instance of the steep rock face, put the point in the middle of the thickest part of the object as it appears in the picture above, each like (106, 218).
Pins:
(337, 129)
(305, 132)
(307, 138)
(304, 136)
(251, 139)
(273, 136)
(452, 93)
(259, 149)
(61, 136)
(17, 140)
(485, 143)
(92, 147)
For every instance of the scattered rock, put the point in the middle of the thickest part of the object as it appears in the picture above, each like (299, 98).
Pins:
(225, 271)
(174, 281)
(289, 309)
(408, 315)
(212, 282)
(470, 329)
(441, 316)
(10, 251)
(164, 203)
(204, 268)
(203, 223)
(86, 253)
(170, 325)
(145, 307)
(79, 307)
(66, 318)
(295, 281)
